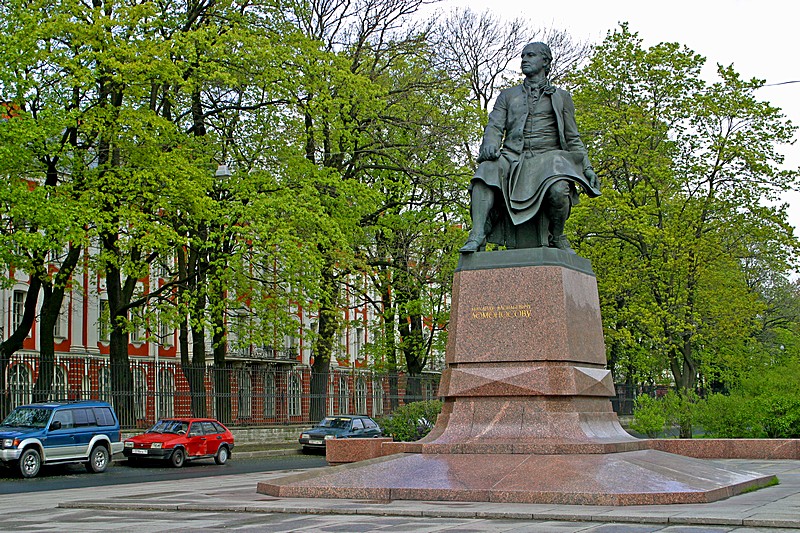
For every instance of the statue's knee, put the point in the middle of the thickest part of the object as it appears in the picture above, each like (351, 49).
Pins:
(558, 194)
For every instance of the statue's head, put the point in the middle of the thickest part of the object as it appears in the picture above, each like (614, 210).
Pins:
(541, 49)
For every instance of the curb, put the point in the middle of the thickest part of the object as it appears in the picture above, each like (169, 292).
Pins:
(633, 517)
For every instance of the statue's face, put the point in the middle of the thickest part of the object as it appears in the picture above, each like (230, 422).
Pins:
(533, 60)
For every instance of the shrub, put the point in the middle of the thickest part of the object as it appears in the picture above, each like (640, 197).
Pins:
(729, 417)
(411, 421)
(649, 417)
(681, 408)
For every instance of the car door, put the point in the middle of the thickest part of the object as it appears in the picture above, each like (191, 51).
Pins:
(60, 440)
(371, 429)
(195, 440)
(357, 428)
(213, 438)
(85, 427)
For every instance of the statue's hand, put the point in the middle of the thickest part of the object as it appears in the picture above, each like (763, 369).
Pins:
(594, 181)
(488, 152)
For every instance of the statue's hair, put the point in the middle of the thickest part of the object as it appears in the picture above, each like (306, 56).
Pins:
(546, 52)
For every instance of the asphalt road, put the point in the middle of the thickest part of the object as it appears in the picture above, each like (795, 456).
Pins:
(59, 477)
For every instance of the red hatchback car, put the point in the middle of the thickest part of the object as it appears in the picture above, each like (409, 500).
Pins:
(182, 439)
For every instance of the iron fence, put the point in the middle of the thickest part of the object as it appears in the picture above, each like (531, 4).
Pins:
(241, 394)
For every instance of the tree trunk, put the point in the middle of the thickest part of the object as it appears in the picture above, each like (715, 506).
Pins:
(121, 377)
(52, 300)
(323, 344)
(412, 342)
(194, 370)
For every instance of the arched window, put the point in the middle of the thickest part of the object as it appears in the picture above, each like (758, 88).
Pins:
(86, 388)
(166, 389)
(104, 384)
(377, 397)
(269, 395)
(139, 393)
(60, 389)
(344, 395)
(245, 394)
(361, 395)
(19, 384)
(295, 407)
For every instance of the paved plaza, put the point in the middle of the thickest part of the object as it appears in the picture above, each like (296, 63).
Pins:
(231, 502)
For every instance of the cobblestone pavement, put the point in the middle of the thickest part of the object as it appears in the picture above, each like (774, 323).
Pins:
(231, 502)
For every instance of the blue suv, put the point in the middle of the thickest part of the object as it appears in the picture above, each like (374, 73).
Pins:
(58, 433)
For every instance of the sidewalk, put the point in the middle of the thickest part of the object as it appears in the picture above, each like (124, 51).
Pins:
(769, 508)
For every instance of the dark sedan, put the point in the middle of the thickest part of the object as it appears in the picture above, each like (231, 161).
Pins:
(340, 427)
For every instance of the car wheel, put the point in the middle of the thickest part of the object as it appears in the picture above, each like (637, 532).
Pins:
(178, 457)
(222, 455)
(29, 463)
(98, 460)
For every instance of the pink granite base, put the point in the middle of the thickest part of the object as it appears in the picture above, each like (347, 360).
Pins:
(527, 416)
(339, 451)
(730, 448)
(644, 477)
(769, 449)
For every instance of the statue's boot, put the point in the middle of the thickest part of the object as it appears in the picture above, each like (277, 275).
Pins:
(558, 212)
(476, 242)
(481, 205)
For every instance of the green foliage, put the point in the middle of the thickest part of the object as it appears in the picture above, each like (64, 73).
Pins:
(681, 236)
(412, 421)
(681, 409)
(766, 403)
(649, 416)
(729, 416)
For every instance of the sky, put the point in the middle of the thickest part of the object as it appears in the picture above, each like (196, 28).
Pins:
(759, 37)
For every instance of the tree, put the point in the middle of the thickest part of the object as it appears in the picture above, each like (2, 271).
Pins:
(688, 168)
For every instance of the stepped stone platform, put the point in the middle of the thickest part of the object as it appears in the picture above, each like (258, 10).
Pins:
(527, 416)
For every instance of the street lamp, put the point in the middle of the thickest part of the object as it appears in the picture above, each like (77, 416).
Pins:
(223, 171)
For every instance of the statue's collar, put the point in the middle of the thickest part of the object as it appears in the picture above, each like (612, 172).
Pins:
(541, 85)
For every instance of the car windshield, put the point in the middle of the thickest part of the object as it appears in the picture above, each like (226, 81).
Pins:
(28, 417)
(334, 422)
(169, 426)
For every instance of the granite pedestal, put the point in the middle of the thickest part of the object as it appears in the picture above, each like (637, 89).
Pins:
(527, 415)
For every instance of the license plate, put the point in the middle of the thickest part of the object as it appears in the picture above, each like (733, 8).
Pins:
(315, 441)
(139, 451)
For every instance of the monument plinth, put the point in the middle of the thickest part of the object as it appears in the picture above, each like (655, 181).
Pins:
(527, 415)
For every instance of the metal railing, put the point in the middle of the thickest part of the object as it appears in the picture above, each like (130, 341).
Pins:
(242, 394)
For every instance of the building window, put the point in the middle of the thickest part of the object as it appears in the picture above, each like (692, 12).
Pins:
(19, 384)
(357, 344)
(245, 394)
(166, 389)
(62, 322)
(138, 333)
(377, 397)
(17, 309)
(103, 321)
(344, 395)
(165, 332)
(104, 384)
(60, 388)
(269, 395)
(295, 395)
(139, 393)
(361, 395)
